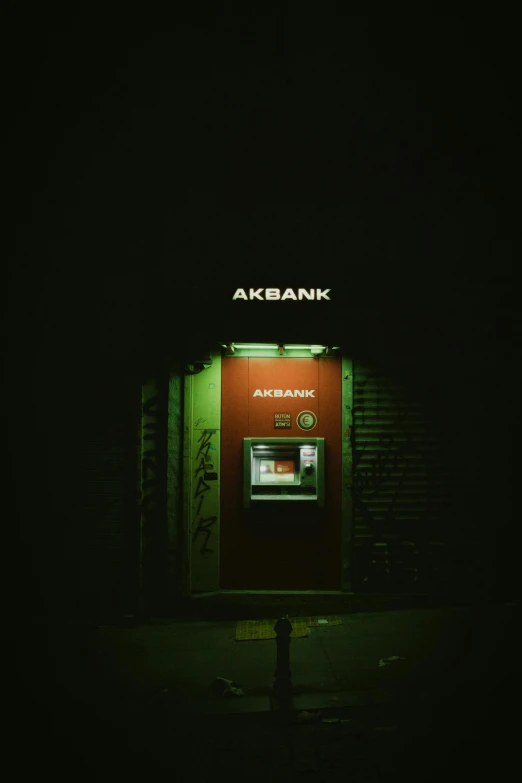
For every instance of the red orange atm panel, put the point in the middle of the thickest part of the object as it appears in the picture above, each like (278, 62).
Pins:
(280, 545)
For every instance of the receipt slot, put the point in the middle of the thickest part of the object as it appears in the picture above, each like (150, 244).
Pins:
(283, 469)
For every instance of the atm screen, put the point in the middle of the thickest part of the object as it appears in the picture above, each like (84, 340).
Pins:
(273, 471)
(283, 469)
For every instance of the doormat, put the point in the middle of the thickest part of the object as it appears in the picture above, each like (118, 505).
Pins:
(249, 630)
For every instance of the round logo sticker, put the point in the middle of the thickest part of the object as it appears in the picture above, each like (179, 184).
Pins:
(306, 420)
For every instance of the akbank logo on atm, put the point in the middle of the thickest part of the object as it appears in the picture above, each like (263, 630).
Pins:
(287, 393)
(306, 420)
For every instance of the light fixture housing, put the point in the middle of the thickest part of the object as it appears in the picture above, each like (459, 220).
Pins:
(269, 350)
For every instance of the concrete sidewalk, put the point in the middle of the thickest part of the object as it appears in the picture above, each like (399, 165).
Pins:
(334, 665)
(455, 678)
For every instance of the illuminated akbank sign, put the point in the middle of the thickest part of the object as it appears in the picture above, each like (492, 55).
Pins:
(281, 393)
(274, 294)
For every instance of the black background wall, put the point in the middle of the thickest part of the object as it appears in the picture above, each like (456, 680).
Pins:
(152, 169)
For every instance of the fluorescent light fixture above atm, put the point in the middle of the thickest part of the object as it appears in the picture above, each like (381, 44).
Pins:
(304, 347)
(253, 346)
(269, 349)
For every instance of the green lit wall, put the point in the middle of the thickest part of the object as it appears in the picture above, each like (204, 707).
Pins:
(201, 455)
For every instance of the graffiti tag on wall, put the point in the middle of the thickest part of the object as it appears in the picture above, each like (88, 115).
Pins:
(391, 481)
(149, 462)
(204, 472)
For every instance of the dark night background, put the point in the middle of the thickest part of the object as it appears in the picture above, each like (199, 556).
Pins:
(151, 169)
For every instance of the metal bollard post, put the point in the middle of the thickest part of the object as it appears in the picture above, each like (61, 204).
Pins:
(282, 690)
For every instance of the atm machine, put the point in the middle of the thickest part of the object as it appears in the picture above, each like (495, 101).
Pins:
(289, 470)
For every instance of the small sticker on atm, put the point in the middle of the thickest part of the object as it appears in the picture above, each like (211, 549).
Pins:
(309, 453)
